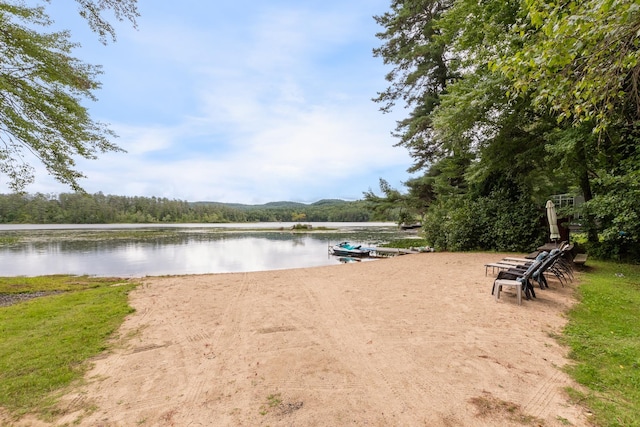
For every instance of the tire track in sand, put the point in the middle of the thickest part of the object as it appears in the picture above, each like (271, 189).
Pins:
(341, 325)
(540, 399)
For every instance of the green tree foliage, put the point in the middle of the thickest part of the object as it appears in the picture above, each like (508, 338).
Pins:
(393, 204)
(513, 101)
(42, 87)
(420, 75)
(580, 59)
(501, 221)
(81, 208)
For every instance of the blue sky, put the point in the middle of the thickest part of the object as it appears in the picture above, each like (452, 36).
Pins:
(243, 101)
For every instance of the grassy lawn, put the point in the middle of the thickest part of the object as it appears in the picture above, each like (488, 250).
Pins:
(46, 342)
(604, 337)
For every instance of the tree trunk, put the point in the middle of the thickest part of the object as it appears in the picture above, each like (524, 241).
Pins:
(585, 186)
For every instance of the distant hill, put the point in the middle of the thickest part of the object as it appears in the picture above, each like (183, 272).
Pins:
(325, 202)
(325, 210)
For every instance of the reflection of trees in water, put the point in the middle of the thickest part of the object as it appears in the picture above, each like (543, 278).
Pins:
(112, 240)
(140, 252)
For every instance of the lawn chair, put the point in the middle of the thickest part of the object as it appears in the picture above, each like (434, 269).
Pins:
(547, 261)
(563, 268)
(509, 263)
(557, 265)
(517, 279)
(522, 278)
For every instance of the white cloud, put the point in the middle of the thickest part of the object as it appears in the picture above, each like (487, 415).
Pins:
(233, 104)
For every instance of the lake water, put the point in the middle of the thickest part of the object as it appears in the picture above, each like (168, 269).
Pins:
(133, 250)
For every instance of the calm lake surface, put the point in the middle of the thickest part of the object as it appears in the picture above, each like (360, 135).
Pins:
(134, 250)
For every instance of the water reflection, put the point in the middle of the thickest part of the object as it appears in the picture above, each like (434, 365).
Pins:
(183, 252)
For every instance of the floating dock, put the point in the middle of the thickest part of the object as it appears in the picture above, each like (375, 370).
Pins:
(387, 252)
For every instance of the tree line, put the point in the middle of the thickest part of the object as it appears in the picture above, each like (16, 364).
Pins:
(509, 103)
(81, 208)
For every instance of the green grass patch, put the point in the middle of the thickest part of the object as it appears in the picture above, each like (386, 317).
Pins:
(53, 283)
(46, 342)
(603, 334)
(8, 240)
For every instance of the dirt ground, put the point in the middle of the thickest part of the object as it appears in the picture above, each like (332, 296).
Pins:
(416, 340)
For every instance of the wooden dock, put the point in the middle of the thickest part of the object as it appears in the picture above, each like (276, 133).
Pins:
(387, 252)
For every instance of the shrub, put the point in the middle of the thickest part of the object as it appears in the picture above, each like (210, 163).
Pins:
(495, 222)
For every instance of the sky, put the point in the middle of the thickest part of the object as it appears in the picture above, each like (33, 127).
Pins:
(240, 102)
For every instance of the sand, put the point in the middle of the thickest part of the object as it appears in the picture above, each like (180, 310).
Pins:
(416, 340)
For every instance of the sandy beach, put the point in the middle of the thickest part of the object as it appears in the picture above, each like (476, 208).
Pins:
(416, 340)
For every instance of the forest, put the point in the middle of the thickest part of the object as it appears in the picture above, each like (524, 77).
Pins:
(509, 103)
(82, 208)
